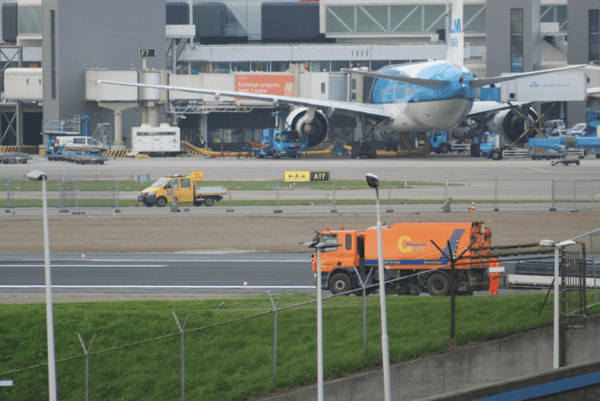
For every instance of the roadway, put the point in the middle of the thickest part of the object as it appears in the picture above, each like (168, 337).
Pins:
(426, 168)
(198, 274)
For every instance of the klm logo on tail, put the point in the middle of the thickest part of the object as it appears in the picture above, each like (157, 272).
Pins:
(456, 26)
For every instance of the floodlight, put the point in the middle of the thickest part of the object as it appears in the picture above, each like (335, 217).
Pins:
(372, 180)
(36, 175)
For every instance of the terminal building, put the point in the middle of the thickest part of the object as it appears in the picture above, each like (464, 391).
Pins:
(54, 51)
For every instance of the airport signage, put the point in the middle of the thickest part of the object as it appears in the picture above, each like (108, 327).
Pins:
(305, 176)
(265, 84)
(147, 53)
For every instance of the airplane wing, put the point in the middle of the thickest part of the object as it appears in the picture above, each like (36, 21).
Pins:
(479, 82)
(328, 106)
(429, 83)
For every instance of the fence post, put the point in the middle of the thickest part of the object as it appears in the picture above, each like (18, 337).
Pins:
(181, 330)
(452, 298)
(8, 193)
(389, 209)
(75, 191)
(593, 268)
(334, 210)
(86, 351)
(229, 209)
(574, 197)
(496, 195)
(116, 195)
(277, 209)
(275, 307)
(552, 208)
(364, 307)
(446, 190)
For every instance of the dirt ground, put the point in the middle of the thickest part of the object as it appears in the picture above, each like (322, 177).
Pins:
(262, 233)
(258, 233)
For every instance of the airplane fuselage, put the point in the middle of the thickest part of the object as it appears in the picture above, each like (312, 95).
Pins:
(417, 108)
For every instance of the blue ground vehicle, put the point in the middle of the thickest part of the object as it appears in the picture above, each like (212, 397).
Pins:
(278, 143)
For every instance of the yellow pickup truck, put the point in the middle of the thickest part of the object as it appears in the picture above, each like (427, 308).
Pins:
(184, 187)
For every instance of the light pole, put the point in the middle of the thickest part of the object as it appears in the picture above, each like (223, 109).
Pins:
(557, 246)
(319, 246)
(373, 182)
(40, 176)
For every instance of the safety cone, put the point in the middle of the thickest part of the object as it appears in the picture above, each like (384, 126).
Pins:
(472, 209)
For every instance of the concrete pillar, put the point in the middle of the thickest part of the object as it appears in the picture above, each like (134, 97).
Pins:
(118, 127)
(152, 114)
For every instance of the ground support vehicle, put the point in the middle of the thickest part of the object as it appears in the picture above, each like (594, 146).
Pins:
(278, 143)
(79, 158)
(566, 162)
(589, 145)
(79, 149)
(409, 257)
(14, 157)
(184, 187)
(440, 142)
(554, 148)
(163, 140)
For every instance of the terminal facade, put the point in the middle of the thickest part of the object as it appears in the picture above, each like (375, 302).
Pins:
(218, 44)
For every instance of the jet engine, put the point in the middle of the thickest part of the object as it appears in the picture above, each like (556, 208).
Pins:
(309, 123)
(512, 126)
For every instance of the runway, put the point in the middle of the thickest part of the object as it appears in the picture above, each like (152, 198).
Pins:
(207, 273)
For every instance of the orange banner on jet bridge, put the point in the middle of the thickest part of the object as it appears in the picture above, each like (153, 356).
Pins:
(265, 84)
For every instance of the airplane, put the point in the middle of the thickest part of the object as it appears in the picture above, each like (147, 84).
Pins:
(430, 96)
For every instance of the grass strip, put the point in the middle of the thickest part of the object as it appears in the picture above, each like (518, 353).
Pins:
(234, 361)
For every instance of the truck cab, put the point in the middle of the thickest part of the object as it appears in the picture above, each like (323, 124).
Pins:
(163, 190)
(277, 143)
(491, 146)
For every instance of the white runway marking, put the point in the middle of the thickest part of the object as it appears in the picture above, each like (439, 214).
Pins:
(208, 287)
(89, 265)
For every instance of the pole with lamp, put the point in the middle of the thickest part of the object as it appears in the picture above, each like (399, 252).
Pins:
(319, 246)
(373, 182)
(557, 246)
(53, 395)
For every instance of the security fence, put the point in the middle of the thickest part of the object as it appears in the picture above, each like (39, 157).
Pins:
(69, 191)
(243, 347)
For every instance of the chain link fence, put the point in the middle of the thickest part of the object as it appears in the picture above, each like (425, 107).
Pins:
(69, 190)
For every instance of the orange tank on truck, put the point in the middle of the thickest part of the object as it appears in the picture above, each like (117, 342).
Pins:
(185, 188)
(412, 263)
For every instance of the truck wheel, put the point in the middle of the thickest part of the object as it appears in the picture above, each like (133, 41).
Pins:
(438, 285)
(276, 154)
(161, 202)
(496, 155)
(148, 204)
(339, 283)
(597, 155)
(198, 203)
(444, 148)
(208, 202)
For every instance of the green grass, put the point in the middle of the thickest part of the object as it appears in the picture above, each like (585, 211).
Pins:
(234, 361)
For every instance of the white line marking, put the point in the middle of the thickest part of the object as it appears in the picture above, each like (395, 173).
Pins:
(213, 287)
(538, 169)
(90, 265)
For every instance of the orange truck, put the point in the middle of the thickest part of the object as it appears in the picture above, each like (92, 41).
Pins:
(408, 252)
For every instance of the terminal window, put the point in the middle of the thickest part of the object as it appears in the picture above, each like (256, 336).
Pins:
(594, 47)
(516, 39)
